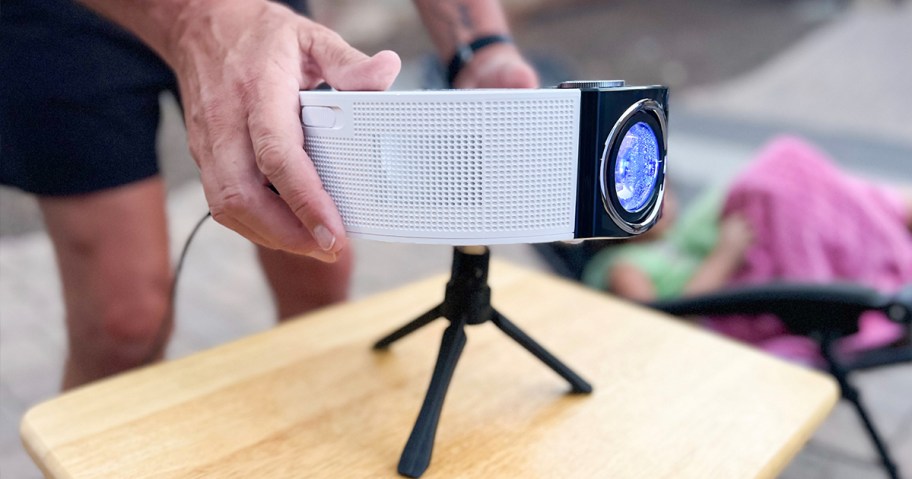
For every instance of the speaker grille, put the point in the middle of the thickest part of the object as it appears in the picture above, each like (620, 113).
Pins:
(440, 169)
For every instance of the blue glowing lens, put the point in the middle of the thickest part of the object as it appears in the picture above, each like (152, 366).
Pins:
(637, 167)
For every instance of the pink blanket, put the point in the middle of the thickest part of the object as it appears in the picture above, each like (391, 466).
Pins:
(814, 223)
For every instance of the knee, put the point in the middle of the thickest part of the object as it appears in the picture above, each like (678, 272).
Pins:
(142, 314)
(300, 284)
(130, 328)
(137, 318)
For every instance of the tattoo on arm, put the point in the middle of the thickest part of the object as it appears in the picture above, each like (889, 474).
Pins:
(465, 17)
(457, 16)
(452, 23)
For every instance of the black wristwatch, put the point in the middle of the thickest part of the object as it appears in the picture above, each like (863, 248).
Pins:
(464, 53)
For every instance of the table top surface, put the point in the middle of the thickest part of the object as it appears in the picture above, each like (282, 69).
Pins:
(310, 398)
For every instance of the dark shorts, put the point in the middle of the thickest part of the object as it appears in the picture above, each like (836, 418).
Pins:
(79, 99)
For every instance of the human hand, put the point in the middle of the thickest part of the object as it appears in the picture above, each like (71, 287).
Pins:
(497, 66)
(240, 66)
(735, 235)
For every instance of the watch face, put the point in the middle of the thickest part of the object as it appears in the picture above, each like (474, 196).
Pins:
(637, 167)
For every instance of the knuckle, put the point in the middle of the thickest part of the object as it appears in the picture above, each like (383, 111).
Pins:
(302, 203)
(207, 110)
(247, 88)
(209, 117)
(321, 40)
(319, 34)
(219, 214)
(197, 151)
(331, 36)
(272, 155)
(228, 204)
(221, 147)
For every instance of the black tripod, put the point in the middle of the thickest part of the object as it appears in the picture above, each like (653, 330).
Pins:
(467, 301)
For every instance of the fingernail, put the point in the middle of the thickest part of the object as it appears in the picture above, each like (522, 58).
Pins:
(324, 237)
(324, 256)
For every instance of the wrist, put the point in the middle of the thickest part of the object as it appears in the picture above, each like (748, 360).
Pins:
(477, 48)
(497, 66)
(186, 20)
(730, 254)
(208, 24)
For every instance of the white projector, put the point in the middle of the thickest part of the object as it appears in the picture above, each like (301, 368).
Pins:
(479, 167)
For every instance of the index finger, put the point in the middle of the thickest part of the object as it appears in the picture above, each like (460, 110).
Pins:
(278, 144)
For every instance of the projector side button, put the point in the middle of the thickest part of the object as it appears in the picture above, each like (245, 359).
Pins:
(318, 116)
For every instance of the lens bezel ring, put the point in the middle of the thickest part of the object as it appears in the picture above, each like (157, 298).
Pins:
(652, 113)
(652, 124)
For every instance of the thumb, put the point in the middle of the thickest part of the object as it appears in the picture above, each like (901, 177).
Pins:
(346, 68)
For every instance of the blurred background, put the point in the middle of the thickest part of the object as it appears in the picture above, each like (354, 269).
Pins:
(835, 72)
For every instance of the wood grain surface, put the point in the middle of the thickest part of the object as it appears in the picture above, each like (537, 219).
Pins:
(311, 399)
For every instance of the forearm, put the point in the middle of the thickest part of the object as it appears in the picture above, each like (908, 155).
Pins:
(454, 23)
(172, 28)
(714, 272)
(158, 23)
(629, 281)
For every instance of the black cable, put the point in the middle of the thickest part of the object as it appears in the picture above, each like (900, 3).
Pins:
(165, 329)
(180, 261)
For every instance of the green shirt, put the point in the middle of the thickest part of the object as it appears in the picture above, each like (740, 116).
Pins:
(671, 260)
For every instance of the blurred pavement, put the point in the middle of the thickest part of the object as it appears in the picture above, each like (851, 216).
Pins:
(840, 83)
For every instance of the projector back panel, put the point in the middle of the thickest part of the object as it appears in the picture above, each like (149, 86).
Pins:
(453, 167)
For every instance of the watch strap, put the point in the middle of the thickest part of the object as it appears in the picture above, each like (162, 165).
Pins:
(464, 53)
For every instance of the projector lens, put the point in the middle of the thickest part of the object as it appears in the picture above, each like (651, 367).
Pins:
(637, 167)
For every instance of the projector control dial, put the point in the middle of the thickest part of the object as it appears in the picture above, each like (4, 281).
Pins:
(591, 84)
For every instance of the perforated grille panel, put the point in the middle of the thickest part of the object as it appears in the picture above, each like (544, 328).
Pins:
(453, 169)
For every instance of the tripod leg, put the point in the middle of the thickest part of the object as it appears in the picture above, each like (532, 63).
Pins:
(578, 384)
(417, 453)
(411, 327)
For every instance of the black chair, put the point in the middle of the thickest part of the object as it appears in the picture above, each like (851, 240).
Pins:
(824, 313)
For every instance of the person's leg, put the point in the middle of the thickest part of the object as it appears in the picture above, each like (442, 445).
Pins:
(112, 252)
(86, 147)
(301, 284)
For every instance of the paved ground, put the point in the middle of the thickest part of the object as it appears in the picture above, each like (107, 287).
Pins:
(822, 68)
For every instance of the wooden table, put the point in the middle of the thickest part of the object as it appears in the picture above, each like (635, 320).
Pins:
(311, 399)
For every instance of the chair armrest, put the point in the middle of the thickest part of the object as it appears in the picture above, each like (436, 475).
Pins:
(805, 308)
